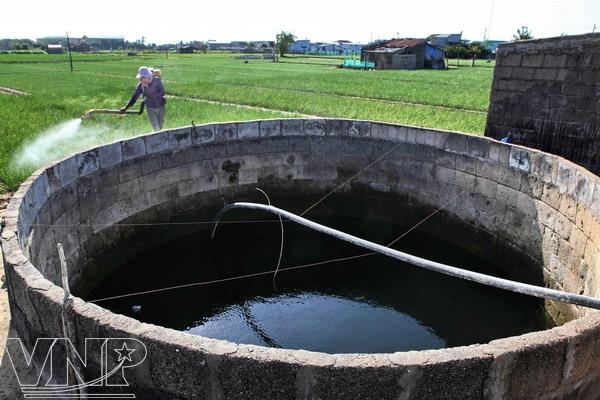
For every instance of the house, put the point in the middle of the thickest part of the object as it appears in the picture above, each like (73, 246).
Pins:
(97, 42)
(339, 47)
(300, 46)
(105, 42)
(445, 40)
(263, 44)
(62, 40)
(492, 45)
(330, 49)
(216, 46)
(244, 47)
(404, 54)
(237, 46)
(349, 47)
(54, 49)
(185, 49)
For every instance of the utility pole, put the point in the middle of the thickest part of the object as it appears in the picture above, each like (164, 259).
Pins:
(594, 28)
(69, 48)
(488, 28)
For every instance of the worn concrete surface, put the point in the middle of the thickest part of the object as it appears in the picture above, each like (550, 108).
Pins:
(9, 388)
(545, 92)
(541, 206)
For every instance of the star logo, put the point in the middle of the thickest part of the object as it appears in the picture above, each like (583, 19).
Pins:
(124, 353)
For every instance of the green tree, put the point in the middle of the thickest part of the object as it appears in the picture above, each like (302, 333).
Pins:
(284, 41)
(458, 51)
(523, 33)
(479, 50)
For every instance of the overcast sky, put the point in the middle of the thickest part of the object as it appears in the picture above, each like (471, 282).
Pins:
(318, 20)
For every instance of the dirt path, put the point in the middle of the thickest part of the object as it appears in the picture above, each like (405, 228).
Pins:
(363, 98)
(12, 92)
(245, 106)
(130, 77)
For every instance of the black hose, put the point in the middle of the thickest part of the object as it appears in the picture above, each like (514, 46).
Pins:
(142, 106)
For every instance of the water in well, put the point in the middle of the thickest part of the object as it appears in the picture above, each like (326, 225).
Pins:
(365, 305)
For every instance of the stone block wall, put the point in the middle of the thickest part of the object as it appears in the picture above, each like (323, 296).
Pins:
(546, 92)
(543, 207)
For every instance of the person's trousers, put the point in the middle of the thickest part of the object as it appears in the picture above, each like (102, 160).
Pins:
(156, 117)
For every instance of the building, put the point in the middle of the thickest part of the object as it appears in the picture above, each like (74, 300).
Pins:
(445, 40)
(404, 54)
(339, 47)
(62, 40)
(215, 45)
(54, 49)
(240, 46)
(105, 42)
(85, 42)
(350, 48)
(492, 45)
(185, 49)
(545, 94)
(262, 44)
(300, 46)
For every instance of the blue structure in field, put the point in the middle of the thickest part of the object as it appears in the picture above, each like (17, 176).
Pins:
(338, 48)
(434, 57)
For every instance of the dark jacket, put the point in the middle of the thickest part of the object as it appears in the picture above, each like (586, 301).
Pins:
(154, 94)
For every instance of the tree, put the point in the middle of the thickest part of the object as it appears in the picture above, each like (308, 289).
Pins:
(479, 50)
(522, 34)
(458, 51)
(284, 41)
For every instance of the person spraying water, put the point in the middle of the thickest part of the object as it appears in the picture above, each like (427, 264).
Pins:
(150, 85)
(72, 135)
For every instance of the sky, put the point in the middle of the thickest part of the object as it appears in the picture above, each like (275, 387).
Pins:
(319, 20)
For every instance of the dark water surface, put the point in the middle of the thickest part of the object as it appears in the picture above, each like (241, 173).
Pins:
(367, 305)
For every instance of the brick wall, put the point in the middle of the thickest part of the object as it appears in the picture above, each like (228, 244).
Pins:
(546, 92)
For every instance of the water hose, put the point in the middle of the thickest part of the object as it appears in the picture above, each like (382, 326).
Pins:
(500, 283)
(89, 113)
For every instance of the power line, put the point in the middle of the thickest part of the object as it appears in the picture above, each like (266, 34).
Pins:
(488, 29)
(274, 271)
(351, 178)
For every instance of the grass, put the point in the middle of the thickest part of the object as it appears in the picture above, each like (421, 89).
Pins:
(455, 99)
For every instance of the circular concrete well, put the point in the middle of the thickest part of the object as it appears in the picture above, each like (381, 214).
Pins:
(533, 216)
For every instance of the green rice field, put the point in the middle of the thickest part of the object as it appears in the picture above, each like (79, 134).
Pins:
(219, 87)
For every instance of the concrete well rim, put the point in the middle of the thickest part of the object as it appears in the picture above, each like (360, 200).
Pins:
(18, 261)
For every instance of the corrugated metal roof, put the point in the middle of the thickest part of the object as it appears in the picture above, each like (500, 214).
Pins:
(398, 43)
(383, 50)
